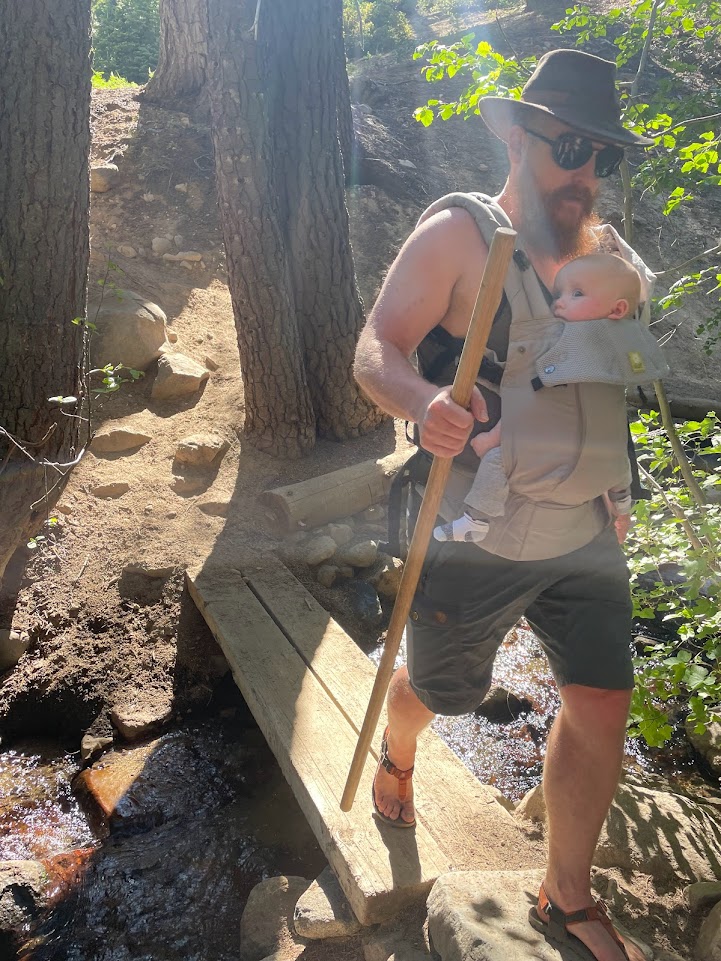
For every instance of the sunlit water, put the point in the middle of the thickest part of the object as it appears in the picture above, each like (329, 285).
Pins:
(510, 755)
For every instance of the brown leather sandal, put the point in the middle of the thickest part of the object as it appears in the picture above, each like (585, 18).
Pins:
(403, 778)
(556, 928)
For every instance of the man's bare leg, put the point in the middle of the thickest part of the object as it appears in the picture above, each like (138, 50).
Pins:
(581, 773)
(407, 717)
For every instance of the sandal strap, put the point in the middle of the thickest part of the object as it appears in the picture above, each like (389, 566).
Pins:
(559, 921)
(390, 766)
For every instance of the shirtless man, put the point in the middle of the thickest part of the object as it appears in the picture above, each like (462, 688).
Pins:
(562, 138)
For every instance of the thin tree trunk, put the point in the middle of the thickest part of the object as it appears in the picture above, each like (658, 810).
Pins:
(279, 413)
(183, 54)
(44, 250)
(301, 50)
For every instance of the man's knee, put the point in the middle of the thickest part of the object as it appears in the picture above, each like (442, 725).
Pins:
(595, 709)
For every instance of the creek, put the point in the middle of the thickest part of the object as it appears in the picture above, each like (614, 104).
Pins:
(210, 815)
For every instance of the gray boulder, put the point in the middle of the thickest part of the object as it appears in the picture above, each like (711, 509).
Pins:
(130, 330)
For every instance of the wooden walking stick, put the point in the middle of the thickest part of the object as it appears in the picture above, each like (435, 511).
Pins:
(489, 296)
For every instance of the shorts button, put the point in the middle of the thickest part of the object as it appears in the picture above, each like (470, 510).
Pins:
(414, 615)
(440, 617)
(521, 350)
(550, 369)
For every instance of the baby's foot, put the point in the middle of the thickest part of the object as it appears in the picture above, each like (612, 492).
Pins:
(466, 528)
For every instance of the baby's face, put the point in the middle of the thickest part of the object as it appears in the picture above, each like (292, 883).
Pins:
(582, 294)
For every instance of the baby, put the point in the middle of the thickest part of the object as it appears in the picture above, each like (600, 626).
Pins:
(588, 288)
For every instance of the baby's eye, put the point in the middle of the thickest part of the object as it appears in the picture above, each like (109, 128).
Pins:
(577, 293)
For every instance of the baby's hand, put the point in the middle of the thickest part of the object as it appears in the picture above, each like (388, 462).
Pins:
(482, 443)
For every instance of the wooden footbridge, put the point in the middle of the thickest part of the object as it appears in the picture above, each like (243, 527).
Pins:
(307, 684)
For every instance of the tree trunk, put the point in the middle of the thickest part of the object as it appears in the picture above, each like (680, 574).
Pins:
(279, 416)
(44, 251)
(346, 135)
(183, 55)
(301, 51)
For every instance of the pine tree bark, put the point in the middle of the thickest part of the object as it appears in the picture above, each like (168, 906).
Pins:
(301, 49)
(44, 250)
(183, 55)
(279, 415)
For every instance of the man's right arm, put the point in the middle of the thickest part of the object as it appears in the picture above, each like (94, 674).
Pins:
(418, 294)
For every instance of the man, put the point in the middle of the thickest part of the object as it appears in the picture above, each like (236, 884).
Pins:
(562, 138)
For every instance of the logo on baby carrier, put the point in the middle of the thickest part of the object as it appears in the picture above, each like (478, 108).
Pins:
(636, 362)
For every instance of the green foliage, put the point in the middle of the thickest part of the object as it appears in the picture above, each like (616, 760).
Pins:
(126, 37)
(675, 585)
(376, 26)
(113, 82)
(683, 119)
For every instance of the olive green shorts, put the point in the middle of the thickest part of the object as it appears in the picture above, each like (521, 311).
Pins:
(579, 606)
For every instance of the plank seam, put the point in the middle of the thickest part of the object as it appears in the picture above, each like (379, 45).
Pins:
(303, 657)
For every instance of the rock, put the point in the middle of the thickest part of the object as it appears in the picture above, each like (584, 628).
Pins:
(216, 505)
(484, 915)
(708, 946)
(266, 924)
(326, 575)
(103, 177)
(388, 579)
(191, 255)
(374, 514)
(173, 338)
(178, 240)
(703, 895)
(318, 549)
(111, 490)
(117, 439)
(178, 376)
(13, 645)
(532, 806)
(146, 569)
(345, 572)
(182, 188)
(363, 554)
(210, 362)
(665, 835)
(322, 911)
(130, 330)
(342, 534)
(201, 450)
(501, 799)
(364, 602)
(404, 937)
(192, 483)
(23, 894)
(91, 746)
(127, 251)
(186, 264)
(501, 706)
(137, 720)
(161, 245)
(407, 163)
(707, 744)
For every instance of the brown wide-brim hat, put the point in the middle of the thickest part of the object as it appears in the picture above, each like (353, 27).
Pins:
(576, 88)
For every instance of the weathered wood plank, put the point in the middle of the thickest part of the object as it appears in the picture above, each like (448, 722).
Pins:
(469, 825)
(381, 869)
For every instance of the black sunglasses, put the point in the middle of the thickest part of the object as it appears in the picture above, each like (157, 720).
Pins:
(571, 151)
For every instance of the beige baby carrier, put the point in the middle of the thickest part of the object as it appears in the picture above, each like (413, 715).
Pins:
(564, 439)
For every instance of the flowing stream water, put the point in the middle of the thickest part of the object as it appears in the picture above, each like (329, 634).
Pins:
(210, 816)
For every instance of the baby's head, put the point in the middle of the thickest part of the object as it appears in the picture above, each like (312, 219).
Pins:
(594, 286)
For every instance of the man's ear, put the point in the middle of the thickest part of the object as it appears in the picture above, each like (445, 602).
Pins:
(620, 310)
(516, 136)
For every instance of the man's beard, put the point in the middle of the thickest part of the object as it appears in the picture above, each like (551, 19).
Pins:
(559, 223)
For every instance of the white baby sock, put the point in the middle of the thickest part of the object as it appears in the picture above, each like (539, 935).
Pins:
(466, 528)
